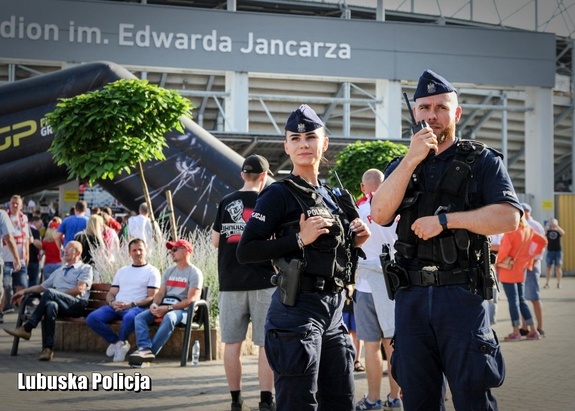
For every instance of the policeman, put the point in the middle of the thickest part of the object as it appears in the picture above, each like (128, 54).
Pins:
(311, 234)
(450, 194)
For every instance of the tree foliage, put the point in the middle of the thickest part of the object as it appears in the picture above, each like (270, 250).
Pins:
(102, 133)
(358, 157)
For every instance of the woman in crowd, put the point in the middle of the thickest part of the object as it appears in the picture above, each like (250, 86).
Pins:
(519, 246)
(91, 238)
(52, 253)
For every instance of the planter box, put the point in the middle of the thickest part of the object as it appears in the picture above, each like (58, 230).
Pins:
(78, 337)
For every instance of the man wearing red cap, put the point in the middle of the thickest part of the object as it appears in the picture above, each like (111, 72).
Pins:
(245, 289)
(181, 286)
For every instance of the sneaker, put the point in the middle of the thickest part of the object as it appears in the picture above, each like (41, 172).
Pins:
(264, 406)
(546, 286)
(142, 365)
(47, 354)
(111, 350)
(140, 356)
(523, 332)
(19, 332)
(513, 337)
(122, 348)
(533, 336)
(11, 309)
(390, 404)
(541, 332)
(239, 406)
(365, 404)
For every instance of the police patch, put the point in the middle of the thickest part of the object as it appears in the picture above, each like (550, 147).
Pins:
(430, 88)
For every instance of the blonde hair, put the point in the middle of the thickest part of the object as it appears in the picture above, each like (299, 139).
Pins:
(49, 234)
(95, 227)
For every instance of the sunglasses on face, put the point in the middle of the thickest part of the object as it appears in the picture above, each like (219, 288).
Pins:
(174, 249)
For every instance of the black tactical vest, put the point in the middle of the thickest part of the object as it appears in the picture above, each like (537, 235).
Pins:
(329, 255)
(451, 248)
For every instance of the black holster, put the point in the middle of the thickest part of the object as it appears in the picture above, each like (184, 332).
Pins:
(288, 279)
(395, 277)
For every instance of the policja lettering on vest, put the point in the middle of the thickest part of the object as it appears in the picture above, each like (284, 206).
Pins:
(311, 237)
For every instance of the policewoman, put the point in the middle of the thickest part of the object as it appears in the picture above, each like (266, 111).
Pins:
(311, 235)
(448, 200)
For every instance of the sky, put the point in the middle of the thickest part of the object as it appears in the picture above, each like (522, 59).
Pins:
(552, 16)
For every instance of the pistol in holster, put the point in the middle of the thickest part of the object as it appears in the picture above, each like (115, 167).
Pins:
(488, 280)
(395, 276)
(288, 278)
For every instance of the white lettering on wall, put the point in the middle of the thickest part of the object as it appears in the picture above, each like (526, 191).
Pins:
(293, 48)
(10, 29)
(129, 35)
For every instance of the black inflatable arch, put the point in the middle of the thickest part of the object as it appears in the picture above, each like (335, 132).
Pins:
(199, 169)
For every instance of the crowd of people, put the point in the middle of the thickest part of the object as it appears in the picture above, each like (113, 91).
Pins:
(403, 271)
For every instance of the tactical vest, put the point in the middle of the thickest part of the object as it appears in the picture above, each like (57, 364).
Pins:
(451, 248)
(329, 255)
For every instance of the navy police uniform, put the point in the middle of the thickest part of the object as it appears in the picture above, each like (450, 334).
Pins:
(442, 326)
(307, 345)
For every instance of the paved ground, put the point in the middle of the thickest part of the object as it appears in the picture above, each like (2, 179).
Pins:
(540, 374)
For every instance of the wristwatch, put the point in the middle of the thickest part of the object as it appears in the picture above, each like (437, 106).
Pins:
(170, 308)
(443, 220)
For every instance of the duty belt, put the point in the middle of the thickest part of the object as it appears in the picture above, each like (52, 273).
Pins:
(431, 275)
(317, 283)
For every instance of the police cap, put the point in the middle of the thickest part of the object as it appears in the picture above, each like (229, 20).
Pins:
(303, 120)
(430, 84)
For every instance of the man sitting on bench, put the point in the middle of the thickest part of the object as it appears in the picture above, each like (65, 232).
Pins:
(64, 294)
(132, 291)
(181, 286)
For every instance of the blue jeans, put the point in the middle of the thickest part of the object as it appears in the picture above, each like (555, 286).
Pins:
(445, 331)
(98, 321)
(12, 280)
(310, 351)
(165, 330)
(54, 304)
(517, 303)
(492, 304)
(49, 269)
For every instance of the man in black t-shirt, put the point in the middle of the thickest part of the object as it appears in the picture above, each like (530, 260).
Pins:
(245, 289)
(554, 256)
(35, 247)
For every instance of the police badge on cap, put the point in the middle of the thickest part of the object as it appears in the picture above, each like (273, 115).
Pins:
(430, 84)
(303, 120)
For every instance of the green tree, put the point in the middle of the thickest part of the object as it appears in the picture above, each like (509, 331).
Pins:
(358, 157)
(102, 133)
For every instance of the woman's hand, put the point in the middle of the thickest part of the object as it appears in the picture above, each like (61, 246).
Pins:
(361, 231)
(313, 227)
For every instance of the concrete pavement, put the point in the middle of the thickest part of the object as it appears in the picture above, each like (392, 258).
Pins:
(540, 374)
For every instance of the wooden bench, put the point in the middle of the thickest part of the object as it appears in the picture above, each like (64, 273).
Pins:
(198, 312)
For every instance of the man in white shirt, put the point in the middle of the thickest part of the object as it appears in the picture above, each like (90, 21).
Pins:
(374, 311)
(7, 232)
(133, 289)
(140, 226)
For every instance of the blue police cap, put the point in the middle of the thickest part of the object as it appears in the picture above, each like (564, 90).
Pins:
(303, 120)
(430, 84)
